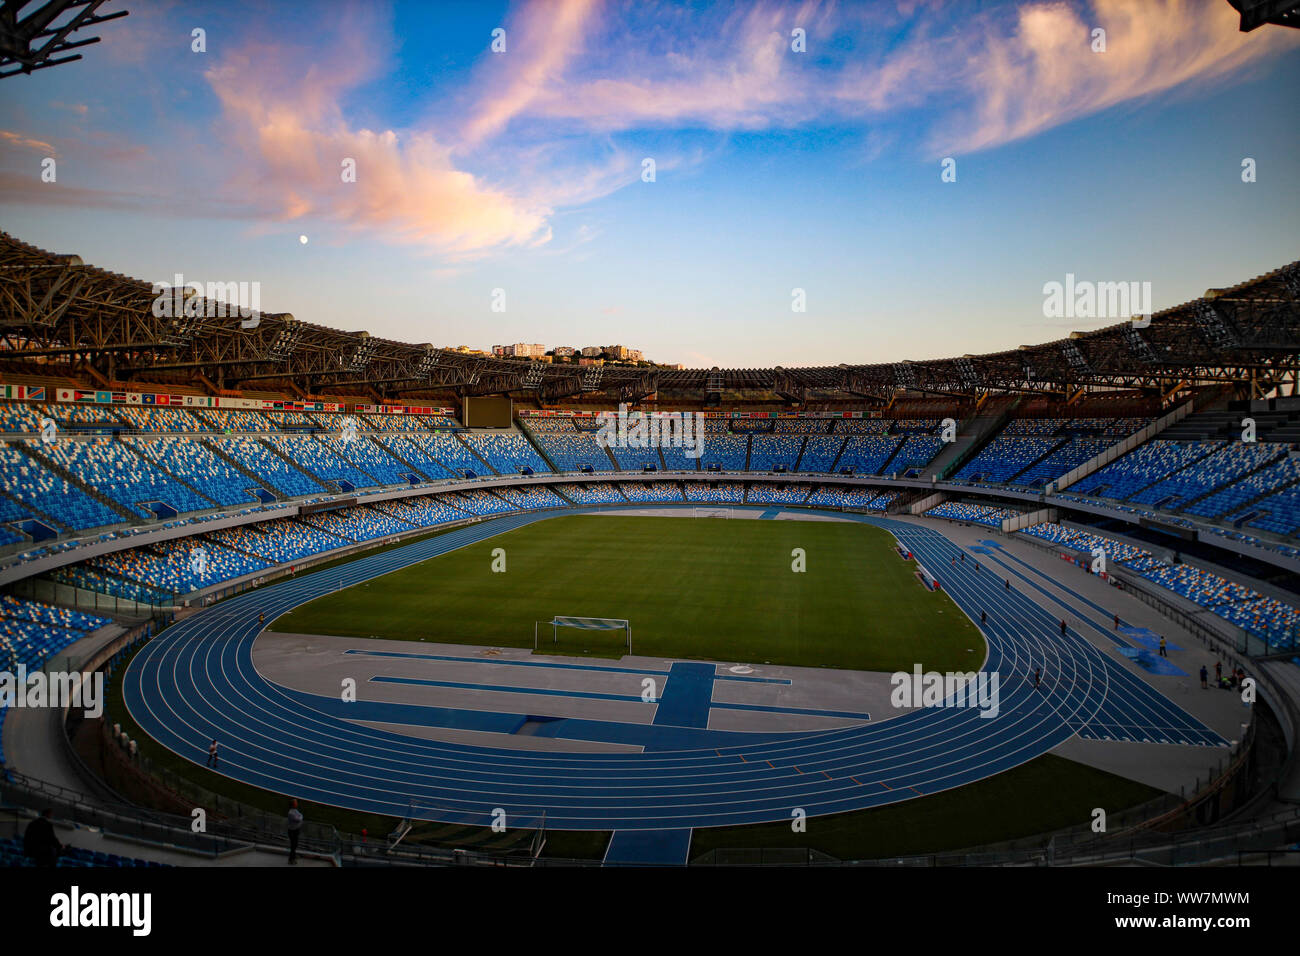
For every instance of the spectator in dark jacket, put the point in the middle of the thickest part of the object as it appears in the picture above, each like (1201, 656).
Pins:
(39, 842)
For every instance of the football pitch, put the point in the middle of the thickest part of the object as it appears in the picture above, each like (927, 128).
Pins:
(691, 588)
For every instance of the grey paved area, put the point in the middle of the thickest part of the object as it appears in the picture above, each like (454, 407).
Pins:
(318, 664)
(1159, 765)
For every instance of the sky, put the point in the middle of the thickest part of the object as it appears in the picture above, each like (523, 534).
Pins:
(795, 146)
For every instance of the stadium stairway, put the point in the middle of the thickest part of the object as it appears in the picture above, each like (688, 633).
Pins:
(972, 436)
(398, 458)
(803, 446)
(255, 481)
(537, 446)
(487, 467)
(180, 480)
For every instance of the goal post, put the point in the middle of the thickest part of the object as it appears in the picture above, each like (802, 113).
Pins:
(588, 634)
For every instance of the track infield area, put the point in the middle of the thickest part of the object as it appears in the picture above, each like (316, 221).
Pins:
(691, 588)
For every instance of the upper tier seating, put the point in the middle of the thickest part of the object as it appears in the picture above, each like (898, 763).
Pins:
(726, 451)
(861, 426)
(194, 462)
(320, 460)
(1230, 462)
(801, 426)
(438, 456)
(148, 418)
(111, 468)
(1042, 427)
(1283, 471)
(577, 451)
(774, 452)
(369, 456)
(917, 451)
(255, 457)
(820, 452)
(1065, 458)
(33, 484)
(676, 459)
(1143, 466)
(1001, 459)
(867, 454)
(509, 452)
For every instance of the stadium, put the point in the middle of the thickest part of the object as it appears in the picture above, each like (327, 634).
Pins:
(1030, 606)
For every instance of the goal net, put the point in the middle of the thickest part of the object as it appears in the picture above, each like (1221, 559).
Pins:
(607, 636)
(700, 511)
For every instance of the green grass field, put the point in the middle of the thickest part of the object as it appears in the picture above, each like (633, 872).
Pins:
(691, 588)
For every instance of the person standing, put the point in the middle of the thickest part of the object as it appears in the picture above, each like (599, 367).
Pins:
(1117, 622)
(1218, 672)
(39, 842)
(1063, 627)
(984, 616)
(294, 826)
(1163, 652)
(212, 754)
(1205, 678)
(1036, 678)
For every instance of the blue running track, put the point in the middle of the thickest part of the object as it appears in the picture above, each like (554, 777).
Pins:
(196, 682)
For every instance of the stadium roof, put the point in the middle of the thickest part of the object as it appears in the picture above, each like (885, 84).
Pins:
(56, 309)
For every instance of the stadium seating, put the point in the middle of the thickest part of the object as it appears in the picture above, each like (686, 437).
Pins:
(1274, 621)
(32, 484)
(258, 459)
(194, 462)
(319, 459)
(1219, 468)
(916, 452)
(115, 471)
(1143, 466)
(867, 454)
(599, 493)
(532, 498)
(479, 502)
(777, 494)
(728, 452)
(578, 451)
(774, 452)
(861, 426)
(650, 491)
(11, 854)
(727, 492)
(509, 452)
(1004, 458)
(820, 452)
(990, 515)
(1065, 458)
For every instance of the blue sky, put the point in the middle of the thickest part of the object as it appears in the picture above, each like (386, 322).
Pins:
(775, 170)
